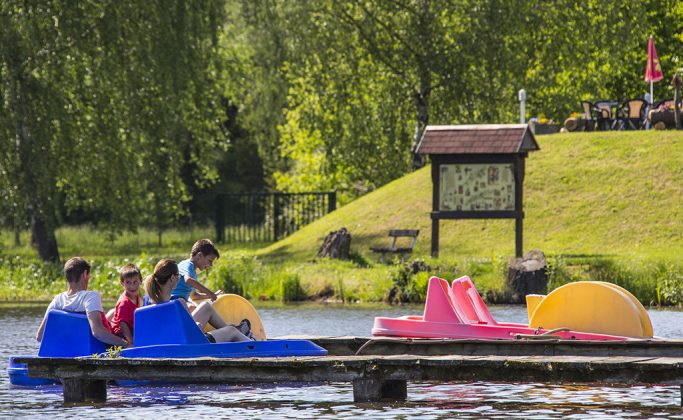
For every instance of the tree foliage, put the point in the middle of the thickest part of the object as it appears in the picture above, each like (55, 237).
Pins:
(118, 108)
(103, 103)
(363, 78)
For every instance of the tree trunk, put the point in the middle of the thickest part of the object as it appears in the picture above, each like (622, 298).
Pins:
(422, 107)
(527, 275)
(337, 244)
(44, 238)
(17, 233)
(38, 187)
(41, 207)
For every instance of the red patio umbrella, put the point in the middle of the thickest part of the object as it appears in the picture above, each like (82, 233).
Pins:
(653, 72)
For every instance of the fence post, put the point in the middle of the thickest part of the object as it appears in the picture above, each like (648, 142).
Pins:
(276, 213)
(331, 201)
(220, 219)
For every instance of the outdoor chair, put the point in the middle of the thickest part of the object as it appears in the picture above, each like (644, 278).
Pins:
(630, 115)
(634, 114)
(604, 114)
(590, 114)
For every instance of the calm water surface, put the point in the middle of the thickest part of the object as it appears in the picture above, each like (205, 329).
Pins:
(425, 400)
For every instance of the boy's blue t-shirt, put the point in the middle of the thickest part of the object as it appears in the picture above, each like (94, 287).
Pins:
(185, 268)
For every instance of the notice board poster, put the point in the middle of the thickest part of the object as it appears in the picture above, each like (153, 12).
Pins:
(476, 187)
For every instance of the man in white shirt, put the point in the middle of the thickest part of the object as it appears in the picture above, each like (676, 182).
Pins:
(78, 299)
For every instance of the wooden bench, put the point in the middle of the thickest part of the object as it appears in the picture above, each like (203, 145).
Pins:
(392, 249)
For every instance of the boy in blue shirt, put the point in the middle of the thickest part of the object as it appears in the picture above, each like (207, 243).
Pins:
(202, 256)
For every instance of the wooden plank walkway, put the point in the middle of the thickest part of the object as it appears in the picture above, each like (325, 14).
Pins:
(374, 377)
(348, 346)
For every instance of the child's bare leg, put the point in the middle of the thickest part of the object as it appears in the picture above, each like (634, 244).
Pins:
(189, 305)
(228, 334)
(204, 313)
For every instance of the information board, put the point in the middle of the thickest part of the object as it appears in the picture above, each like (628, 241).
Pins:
(476, 187)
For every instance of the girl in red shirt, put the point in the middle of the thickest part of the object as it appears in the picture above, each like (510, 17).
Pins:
(129, 301)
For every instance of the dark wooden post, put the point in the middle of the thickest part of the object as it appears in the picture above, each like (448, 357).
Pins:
(519, 208)
(84, 390)
(435, 236)
(435, 206)
(676, 82)
(331, 201)
(276, 216)
(519, 232)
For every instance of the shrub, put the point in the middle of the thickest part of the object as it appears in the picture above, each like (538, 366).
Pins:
(235, 273)
(558, 272)
(290, 286)
(409, 282)
(669, 287)
(637, 280)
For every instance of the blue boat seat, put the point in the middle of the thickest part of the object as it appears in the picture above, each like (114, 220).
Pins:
(68, 334)
(166, 323)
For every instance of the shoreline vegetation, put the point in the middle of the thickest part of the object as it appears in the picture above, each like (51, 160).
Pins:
(614, 214)
(25, 279)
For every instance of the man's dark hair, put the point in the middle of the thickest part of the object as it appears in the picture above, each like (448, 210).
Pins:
(206, 247)
(74, 268)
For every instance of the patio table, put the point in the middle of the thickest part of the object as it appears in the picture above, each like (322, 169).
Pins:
(611, 108)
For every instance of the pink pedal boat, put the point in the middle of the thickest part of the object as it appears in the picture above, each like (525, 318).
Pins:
(457, 311)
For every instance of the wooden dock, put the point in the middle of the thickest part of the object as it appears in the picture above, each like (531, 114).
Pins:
(373, 377)
(349, 346)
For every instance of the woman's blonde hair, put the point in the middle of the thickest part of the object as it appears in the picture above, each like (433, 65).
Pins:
(163, 272)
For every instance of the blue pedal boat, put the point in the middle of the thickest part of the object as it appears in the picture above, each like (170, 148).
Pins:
(165, 330)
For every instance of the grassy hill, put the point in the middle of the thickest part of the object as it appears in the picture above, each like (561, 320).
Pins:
(613, 193)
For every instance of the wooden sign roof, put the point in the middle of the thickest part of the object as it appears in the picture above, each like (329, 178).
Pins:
(477, 139)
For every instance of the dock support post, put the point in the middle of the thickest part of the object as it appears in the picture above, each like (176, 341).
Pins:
(375, 389)
(84, 390)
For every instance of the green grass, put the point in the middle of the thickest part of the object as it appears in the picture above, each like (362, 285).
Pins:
(88, 242)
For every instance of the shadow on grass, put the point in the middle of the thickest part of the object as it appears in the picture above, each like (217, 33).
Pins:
(583, 255)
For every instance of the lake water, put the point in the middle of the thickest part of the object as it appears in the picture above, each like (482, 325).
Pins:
(335, 400)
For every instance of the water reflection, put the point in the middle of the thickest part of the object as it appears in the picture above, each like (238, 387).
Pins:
(327, 401)
(478, 400)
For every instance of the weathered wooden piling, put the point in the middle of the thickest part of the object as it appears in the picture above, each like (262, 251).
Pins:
(84, 390)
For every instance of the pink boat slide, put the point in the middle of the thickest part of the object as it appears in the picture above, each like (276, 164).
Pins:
(457, 311)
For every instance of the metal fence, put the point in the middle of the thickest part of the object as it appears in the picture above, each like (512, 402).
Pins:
(268, 217)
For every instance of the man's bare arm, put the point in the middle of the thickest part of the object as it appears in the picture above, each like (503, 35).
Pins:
(101, 333)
